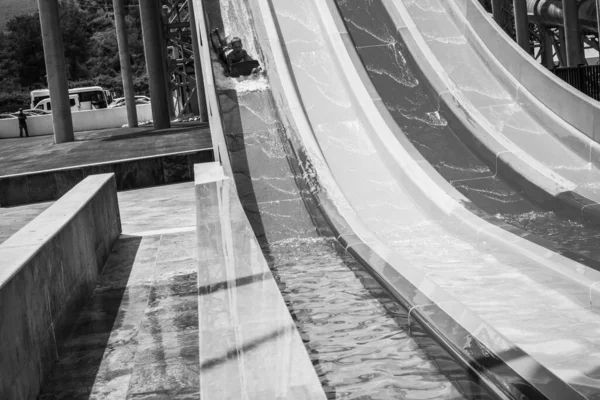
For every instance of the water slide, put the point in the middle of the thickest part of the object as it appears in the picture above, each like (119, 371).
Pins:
(522, 138)
(338, 165)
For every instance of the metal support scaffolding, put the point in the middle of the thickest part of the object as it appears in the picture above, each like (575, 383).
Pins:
(56, 71)
(179, 40)
(198, 67)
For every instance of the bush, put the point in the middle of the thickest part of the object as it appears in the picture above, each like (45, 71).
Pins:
(11, 101)
(140, 84)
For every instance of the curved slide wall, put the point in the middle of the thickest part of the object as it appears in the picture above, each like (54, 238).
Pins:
(375, 185)
(568, 113)
(500, 131)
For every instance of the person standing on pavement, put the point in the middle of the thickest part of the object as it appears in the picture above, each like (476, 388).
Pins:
(22, 123)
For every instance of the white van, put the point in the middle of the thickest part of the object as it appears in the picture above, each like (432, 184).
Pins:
(90, 98)
(45, 104)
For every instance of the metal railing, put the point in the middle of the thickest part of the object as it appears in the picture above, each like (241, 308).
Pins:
(585, 78)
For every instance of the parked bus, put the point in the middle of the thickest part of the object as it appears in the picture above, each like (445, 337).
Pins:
(90, 98)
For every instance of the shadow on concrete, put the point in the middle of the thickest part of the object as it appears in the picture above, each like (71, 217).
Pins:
(82, 354)
(225, 285)
(238, 351)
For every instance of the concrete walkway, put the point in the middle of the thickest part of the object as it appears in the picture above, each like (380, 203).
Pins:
(14, 218)
(138, 336)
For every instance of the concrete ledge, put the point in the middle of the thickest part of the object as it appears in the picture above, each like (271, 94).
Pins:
(48, 269)
(129, 174)
(87, 120)
(250, 348)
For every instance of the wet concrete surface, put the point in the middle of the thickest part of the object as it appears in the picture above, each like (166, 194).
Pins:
(137, 337)
(158, 209)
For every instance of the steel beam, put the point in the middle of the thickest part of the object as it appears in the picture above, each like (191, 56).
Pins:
(497, 11)
(598, 24)
(550, 13)
(522, 24)
(548, 56)
(155, 63)
(198, 66)
(54, 57)
(162, 22)
(124, 59)
(572, 34)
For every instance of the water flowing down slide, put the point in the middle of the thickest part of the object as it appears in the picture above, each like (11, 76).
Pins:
(528, 306)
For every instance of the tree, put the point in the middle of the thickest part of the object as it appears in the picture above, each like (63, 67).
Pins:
(75, 32)
(90, 45)
(23, 53)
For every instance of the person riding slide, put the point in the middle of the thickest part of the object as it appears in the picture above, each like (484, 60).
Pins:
(231, 53)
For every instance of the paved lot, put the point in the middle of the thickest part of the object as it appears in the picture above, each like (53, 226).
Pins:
(14, 218)
(23, 155)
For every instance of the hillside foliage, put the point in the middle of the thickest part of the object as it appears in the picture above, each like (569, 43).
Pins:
(90, 45)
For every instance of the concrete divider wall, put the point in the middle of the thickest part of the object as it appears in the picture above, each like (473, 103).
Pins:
(47, 271)
(231, 265)
(88, 120)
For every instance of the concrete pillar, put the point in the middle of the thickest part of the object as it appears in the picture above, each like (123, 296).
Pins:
(201, 94)
(124, 58)
(572, 34)
(54, 57)
(522, 24)
(155, 64)
(497, 11)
